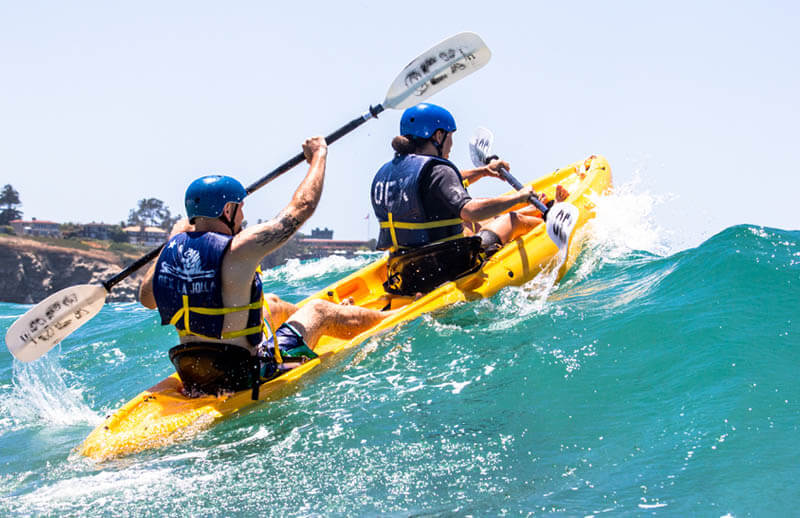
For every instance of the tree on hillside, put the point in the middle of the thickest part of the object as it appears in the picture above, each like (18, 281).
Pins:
(116, 234)
(152, 212)
(69, 230)
(9, 199)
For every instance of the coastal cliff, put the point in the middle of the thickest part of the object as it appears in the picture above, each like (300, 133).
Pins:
(31, 270)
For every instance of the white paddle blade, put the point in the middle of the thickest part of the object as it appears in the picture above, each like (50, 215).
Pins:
(436, 69)
(561, 220)
(43, 326)
(480, 146)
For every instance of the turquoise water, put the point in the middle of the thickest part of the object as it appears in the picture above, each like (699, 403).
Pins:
(648, 382)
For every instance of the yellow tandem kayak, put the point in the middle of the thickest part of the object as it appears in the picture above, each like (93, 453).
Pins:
(162, 415)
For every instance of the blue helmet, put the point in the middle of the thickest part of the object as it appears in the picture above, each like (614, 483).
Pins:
(424, 119)
(208, 195)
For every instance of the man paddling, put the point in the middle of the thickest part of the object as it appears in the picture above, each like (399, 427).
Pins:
(206, 283)
(420, 199)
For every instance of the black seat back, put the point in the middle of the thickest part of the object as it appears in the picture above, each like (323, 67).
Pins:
(420, 270)
(212, 368)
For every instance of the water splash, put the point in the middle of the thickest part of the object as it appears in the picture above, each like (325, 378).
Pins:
(625, 221)
(519, 304)
(42, 393)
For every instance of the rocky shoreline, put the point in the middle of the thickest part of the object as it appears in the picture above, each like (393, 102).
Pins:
(31, 270)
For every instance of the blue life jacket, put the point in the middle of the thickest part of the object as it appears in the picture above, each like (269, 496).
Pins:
(398, 205)
(187, 286)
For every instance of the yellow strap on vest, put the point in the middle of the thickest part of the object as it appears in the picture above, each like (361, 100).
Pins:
(187, 309)
(225, 336)
(391, 230)
(391, 224)
(465, 183)
(224, 311)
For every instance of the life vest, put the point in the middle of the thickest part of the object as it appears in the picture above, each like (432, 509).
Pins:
(187, 286)
(398, 205)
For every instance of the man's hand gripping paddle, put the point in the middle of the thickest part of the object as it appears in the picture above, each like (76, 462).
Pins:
(560, 218)
(50, 321)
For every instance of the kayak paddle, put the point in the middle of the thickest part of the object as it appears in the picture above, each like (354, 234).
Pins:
(560, 218)
(46, 324)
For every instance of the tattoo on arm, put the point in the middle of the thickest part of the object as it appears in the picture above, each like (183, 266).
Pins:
(274, 235)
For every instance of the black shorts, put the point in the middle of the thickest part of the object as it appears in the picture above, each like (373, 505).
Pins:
(490, 242)
(288, 338)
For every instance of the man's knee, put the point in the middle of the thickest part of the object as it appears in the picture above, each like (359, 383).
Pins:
(271, 298)
(318, 306)
(312, 315)
(523, 222)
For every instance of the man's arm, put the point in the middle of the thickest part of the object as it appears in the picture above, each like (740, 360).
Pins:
(253, 243)
(447, 191)
(146, 297)
(479, 209)
(491, 169)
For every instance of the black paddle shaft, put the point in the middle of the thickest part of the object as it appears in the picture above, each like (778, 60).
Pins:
(330, 139)
(516, 184)
(113, 281)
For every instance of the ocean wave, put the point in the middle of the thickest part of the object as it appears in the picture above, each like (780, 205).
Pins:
(296, 271)
(620, 388)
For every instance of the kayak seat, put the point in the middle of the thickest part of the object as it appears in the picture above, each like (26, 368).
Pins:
(212, 368)
(420, 270)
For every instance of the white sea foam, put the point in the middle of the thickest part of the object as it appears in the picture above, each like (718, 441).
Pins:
(261, 433)
(42, 394)
(624, 220)
(113, 356)
(103, 488)
(442, 329)
(623, 224)
(295, 270)
(454, 387)
(520, 303)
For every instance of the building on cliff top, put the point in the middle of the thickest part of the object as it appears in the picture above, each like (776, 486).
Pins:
(322, 244)
(146, 236)
(95, 231)
(35, 227)
(319, 233)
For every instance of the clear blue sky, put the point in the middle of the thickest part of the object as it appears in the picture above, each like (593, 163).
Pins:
(104, 103)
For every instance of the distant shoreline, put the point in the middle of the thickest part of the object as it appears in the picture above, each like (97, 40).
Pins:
(32, 268)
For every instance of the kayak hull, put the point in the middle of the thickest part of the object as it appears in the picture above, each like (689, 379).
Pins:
(162, 415)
